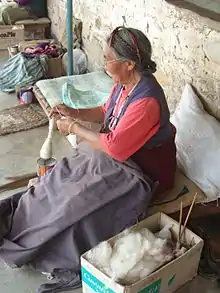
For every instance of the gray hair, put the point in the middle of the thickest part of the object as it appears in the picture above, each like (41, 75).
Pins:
(132, 44)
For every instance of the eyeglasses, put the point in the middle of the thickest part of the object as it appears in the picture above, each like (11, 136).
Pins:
(106, 62)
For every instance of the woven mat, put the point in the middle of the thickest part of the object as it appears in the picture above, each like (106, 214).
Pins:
(21, 118)
(169, 202)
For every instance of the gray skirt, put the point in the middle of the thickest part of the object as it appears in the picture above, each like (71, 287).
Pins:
(85, 199)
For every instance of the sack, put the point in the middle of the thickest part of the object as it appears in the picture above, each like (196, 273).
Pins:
(198, 143)
(208, 229)
(80, 62)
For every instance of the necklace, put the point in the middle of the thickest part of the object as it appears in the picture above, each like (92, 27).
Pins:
(115, 118)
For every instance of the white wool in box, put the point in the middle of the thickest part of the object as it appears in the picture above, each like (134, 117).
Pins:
(165, 233)
(100, 256)
(158, 247)
(142, 269)
(134, 255)
(161, 252)
(149, 266)
(127, 252)
(149, 238)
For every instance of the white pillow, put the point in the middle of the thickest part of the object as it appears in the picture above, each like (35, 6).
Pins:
(198, 143)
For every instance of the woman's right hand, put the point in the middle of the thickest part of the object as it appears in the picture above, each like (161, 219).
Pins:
(32, 182)
(61, 110)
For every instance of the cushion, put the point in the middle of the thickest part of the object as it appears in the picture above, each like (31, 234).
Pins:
(198, 143)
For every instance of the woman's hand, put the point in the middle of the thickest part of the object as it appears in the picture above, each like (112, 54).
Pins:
(68, 125)
(61, 110)
(32, 182)
(64, 124)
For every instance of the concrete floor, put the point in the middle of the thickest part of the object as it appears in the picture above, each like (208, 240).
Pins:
(18, 155)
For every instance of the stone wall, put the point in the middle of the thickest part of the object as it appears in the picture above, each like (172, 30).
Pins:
(186, 46)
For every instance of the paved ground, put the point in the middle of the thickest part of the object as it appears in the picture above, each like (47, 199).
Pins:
(18, 155)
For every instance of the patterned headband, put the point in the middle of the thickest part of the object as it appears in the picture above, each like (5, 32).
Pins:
(132, 37)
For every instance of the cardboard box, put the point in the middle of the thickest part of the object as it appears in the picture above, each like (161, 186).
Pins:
(10, 35)
(167, 279)
(55, 65)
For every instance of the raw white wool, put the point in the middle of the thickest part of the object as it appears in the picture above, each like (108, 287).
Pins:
(46, 151)
(134, 255)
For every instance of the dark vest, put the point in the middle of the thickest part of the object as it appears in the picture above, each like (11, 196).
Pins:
(148, 87)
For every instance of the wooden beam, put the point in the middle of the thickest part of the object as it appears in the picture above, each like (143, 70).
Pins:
(196, 8)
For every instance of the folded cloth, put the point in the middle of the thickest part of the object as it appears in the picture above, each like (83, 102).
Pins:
(21, 71)
(52, 49)
(23, 2)
(3, 6)
(12, 14)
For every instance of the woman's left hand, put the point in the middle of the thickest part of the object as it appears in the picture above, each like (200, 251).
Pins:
(64, 124)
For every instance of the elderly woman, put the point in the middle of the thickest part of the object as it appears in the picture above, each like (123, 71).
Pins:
(108, 183)
(136, 117)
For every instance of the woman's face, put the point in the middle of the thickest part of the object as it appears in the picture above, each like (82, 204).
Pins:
(119, 69)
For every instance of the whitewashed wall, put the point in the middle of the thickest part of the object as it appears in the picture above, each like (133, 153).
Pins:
(186, 46)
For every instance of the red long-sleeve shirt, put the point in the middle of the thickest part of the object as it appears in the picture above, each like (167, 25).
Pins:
(139, 123)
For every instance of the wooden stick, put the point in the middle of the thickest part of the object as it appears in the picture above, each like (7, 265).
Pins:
(24, 176)
(180, 221)
(18, 182)
(59, 112)
(178, 244)
(13, 185)
(188, 215)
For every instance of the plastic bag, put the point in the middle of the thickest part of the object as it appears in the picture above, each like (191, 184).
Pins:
(80, 62)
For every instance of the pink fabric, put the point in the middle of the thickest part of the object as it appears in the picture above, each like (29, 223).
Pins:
(23, 2)
(139, 123)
